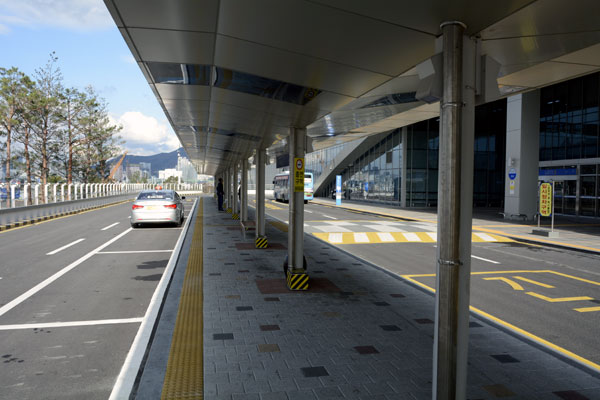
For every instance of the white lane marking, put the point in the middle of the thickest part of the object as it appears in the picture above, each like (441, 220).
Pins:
(42, 325)
(432, 235)
(331, 228)
(411, 237)
(335, 238)
(361, 237)
(385, 228)
(485, 259)
(327, 216)
(134, 251)
(306, 211)
(110, 226)
(65, 247)
(486, 237)
(12, 304)
(386, 237)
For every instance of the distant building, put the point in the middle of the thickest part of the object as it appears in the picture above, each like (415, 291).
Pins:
(169, 172)
(188, 172)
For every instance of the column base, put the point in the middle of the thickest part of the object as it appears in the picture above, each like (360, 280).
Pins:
(261, 242)
(297, 279)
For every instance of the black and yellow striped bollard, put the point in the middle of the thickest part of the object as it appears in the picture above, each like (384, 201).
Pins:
(261, 242)
(297, 279)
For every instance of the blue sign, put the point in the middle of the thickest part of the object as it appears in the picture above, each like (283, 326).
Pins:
(338, 190)
(558, 171)
(512, 174)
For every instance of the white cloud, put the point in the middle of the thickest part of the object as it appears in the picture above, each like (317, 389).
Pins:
(144, 135)
(82, 15)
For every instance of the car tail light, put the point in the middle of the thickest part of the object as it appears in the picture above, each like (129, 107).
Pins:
(171, 206)
(135, 207)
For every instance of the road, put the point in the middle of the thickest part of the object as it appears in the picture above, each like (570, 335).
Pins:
(73, 292)
(549, 293)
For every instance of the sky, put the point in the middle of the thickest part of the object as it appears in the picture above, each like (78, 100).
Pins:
(90, 51)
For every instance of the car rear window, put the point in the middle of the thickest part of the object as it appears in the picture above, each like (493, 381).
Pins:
(155, 196)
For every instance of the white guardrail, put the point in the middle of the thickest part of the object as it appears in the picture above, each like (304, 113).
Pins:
(17, 207)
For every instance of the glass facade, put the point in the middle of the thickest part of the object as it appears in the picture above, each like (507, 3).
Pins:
(569, 119)
(377, 174)
(318, 161)
(570, 144)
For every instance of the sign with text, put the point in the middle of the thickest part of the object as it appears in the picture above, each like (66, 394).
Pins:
(338, 190)
(545, 199)
(299, 175)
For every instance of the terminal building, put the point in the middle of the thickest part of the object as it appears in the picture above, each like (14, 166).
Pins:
(400, 167)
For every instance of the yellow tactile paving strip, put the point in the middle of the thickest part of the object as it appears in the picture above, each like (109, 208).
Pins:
(397, 237)
(184, 378)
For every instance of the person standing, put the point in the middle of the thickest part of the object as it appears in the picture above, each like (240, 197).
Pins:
(220, 193)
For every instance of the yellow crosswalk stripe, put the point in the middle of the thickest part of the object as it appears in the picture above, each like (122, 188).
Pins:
(394, 237)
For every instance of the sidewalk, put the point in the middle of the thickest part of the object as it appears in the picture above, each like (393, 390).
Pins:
(358, 333)
(575, 234)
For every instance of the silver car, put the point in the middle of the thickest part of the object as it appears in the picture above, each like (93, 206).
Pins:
(157, 206)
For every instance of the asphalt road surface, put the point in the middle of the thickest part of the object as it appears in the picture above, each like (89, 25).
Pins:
(550, 293)
(73, 292)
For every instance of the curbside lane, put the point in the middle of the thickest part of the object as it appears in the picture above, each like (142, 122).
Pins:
(45, 218)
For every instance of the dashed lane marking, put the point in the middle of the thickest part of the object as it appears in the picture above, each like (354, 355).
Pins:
(65, 247)
(587, 309)
(327, 216)
(344, 237)
(485, 259)
(110, 226)
(559, 299)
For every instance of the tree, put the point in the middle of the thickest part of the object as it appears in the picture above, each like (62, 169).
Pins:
(11, 88)
(46, 108)
(100, 141)
(172, 179)
(26, 121)
(74, 104)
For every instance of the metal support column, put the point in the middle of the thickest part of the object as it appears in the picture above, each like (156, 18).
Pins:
(296, 273)
(244, 192)
(455, 191)
(235, 209)
(261, 237)
(226, 188)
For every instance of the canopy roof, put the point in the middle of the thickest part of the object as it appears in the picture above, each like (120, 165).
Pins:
(234, 75)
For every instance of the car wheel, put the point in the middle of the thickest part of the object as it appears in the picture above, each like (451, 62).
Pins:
(180, 220)
(134, 225)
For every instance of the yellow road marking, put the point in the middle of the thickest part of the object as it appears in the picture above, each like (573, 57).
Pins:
(534, 282)
(512, 283)
(558, 299)
(392, 237)
(575, 277)
(184, 377)
(587, 309)
(523, 332)
(279, 225)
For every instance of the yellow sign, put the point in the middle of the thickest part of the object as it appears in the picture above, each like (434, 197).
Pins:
(298, 174)
(545, 199)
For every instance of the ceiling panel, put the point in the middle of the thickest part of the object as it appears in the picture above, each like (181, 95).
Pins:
(426, 15)
(322, 32)
(191, 15)
(169, 91)
(545, 73)
(295, 68)
(174, 46)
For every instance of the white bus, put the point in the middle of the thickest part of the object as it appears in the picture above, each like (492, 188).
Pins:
(281, 187)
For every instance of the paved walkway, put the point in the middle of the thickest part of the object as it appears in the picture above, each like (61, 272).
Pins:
(359, 333)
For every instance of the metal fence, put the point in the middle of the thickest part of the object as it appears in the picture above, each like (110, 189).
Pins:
(17, 205)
